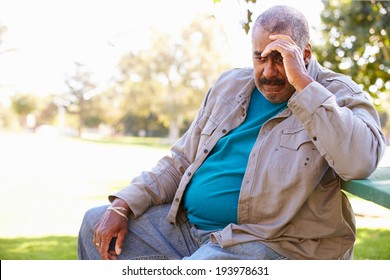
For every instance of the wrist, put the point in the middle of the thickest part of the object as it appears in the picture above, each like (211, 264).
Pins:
(302, 83)
(118, 202)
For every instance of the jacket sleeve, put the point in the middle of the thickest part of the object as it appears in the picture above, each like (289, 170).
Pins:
(343, 125)
(159, 185)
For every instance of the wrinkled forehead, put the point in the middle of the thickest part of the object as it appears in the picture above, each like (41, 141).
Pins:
(260, 38)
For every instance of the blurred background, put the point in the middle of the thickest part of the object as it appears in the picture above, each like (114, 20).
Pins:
(94, 92)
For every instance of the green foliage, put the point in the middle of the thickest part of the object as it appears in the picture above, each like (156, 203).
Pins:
(149, 125)
(47, 111)
(169, 79)
(77, 100)
(357, 41)
(23, 104)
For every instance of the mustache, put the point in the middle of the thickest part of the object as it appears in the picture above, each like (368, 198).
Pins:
(272, 82)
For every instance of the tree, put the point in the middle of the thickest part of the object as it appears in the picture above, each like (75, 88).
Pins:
(81, 90)
(170, 78)
(47, 111)
(357, 42)
(246, 22)
(23, 105)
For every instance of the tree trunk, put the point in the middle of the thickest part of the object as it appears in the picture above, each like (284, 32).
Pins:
(174, 130)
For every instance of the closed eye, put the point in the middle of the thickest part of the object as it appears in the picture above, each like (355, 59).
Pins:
(279, 60)
(277, 57)
(261, 59)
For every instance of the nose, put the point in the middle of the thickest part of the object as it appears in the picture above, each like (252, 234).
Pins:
(270, 70)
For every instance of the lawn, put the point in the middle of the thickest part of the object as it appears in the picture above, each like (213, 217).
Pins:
(48, 183)
(371, 244)
(39, 248)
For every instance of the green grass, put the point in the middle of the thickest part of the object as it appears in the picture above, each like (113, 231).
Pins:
(39, 248)
(371, 244)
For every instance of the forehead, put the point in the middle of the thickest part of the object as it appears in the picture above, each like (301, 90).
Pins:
(260, 39)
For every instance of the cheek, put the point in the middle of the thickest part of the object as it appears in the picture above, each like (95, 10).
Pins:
(282, 72)
(258, 72)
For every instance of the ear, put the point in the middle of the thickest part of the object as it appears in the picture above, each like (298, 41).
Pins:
(307, 52)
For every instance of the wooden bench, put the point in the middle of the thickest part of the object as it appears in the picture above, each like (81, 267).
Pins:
(376, 188)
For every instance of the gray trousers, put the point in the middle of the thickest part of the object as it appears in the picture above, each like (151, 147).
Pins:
(152, 237)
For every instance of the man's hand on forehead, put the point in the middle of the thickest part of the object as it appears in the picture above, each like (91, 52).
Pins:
(293, 61)
(279, 42)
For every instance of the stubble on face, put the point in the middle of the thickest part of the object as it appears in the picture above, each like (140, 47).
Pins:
(275, 87)
(275, 90)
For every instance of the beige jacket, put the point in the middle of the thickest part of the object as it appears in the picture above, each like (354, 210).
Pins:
(290, 197)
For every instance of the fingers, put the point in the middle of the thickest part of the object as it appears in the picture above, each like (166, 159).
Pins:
(102, 238)
(95, 239)
(100, 243)
(108, 228)
(282, 37)
(119, 242)
(104, 251)
(112, 255)
(281, 43)
(104, 247)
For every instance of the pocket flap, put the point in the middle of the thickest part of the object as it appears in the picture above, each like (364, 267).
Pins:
(208, 125)
(293, 138)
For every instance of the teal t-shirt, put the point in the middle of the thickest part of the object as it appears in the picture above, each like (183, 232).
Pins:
(211, 198)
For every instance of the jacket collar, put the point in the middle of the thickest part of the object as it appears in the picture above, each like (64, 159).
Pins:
(313, 68)
(247, 88)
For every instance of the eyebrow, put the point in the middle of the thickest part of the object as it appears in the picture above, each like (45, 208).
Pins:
(272, 54)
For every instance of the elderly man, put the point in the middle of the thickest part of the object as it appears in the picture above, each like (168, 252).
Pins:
(257, 175)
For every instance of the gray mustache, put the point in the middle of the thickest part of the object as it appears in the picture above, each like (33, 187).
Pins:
(272, 82)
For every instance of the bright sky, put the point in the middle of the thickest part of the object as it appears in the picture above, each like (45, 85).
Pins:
(48, 36)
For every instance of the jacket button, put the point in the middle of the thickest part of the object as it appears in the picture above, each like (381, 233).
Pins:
(177, 199)
(205, 151)
(224, 131)
(189, 174)
(315, 138)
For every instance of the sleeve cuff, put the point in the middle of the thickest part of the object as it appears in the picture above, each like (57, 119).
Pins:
(305, 103)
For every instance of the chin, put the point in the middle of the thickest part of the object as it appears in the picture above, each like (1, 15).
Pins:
(277, 97)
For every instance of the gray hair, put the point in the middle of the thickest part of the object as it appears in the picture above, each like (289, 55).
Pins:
(286, 20)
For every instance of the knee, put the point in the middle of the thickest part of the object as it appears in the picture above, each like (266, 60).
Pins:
(91, 217)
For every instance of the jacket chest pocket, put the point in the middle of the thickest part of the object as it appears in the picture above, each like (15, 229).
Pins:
(207, 131)
(294, 138)
(296, 149)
